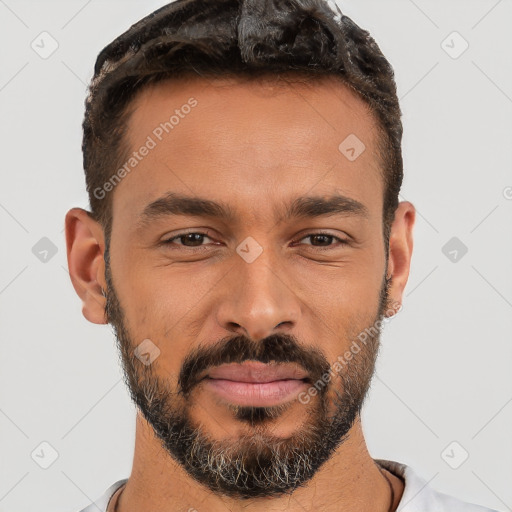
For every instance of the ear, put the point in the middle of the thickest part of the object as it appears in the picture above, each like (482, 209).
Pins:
(400, 250)
(85, 249)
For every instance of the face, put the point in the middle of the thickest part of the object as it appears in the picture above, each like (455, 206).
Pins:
(246, 275)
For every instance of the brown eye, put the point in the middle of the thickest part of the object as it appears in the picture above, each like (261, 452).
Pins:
(188, 239)
(321, 240)
(192, 239)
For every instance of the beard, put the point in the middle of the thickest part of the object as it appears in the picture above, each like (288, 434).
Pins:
(254, 464)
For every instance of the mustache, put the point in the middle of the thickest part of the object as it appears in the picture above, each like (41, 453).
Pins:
(278, 348)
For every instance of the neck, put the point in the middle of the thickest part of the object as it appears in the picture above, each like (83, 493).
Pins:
(349, 480)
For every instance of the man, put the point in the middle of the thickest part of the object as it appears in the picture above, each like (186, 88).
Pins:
(245, 240)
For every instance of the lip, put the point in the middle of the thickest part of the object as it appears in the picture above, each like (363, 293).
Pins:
(257, 384)
(256, 372)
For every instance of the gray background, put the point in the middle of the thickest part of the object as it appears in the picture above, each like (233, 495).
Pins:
(444, 370)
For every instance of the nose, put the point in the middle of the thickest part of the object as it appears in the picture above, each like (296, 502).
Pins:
(257, 300)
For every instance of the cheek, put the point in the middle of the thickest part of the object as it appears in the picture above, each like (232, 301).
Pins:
(352, 286)
(166, 305)
(341, 303)
(157, 295)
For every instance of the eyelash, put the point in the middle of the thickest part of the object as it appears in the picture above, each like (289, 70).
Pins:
(341, 241)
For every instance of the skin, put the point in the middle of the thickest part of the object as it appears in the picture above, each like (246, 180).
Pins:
(254, 147)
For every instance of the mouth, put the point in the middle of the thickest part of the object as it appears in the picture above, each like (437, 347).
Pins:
(256, 384)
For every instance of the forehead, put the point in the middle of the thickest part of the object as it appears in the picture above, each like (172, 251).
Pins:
(238, 141)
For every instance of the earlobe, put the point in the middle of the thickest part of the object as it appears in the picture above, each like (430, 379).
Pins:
(85, 251)
(400, 250)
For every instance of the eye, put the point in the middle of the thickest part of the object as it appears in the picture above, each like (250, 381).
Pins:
(323, 240)
(194, 239)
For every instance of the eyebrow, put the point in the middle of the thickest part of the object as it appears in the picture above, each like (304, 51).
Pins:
(177, 204)
(318, 206)
(305, 206)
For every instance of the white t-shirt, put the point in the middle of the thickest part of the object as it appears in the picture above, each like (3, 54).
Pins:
(418, 496)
